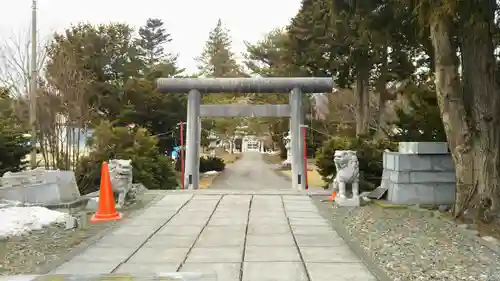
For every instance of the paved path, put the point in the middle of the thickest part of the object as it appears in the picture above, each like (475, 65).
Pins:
(228, 235)
(250, 173)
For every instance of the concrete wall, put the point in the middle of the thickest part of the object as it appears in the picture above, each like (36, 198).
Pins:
(421, 173)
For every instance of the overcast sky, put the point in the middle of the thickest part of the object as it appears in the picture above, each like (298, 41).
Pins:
(189, 21)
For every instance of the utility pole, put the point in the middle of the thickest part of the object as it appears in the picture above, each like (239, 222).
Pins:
(33, 85)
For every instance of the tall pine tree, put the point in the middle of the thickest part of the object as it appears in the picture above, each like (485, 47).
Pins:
(151, 45)
(217, 59)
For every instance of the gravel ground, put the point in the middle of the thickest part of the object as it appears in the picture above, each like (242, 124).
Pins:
(30, 254)
(411, 244)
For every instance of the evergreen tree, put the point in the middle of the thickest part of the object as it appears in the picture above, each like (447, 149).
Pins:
(217, 59)
(14, 146)
(152, 39)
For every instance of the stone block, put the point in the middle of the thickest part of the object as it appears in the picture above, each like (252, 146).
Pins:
(348, 202)
(423, 147)
(40, 186)
(432, 177)
(396, 176)
(442, 162)
(402, 193)
(406, 162)
(445, 193)
(426, 193)
(422, 193)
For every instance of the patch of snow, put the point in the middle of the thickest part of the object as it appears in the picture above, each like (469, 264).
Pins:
(211, 173)
(15, 221)
(10, 203)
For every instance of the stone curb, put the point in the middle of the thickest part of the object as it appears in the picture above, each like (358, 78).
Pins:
(372, 266)
(96, 237)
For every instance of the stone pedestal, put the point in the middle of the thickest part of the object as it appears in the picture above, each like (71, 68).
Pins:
(348, 202)
(420, 173)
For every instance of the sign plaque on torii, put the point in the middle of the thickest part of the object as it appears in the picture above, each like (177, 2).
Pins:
(194, 87)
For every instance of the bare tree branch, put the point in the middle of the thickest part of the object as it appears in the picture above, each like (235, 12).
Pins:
(15, 55)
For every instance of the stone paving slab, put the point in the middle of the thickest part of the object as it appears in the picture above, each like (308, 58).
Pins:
(170, 241)
(224, 271)
(175, 276)
(147, 269)
(272, 254)
(236, 238)
(338, 254)
(218, 255)
(271, 271)
(339, 272)
(267, 229)
(185, 230)
(270, 240)
(159, 255)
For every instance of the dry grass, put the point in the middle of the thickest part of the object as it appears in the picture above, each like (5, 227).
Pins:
(228, 157)
(206, 180)
(313, 178)
(272, 158)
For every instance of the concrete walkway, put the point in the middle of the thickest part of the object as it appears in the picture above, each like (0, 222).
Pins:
(228, 236)
(250, 173)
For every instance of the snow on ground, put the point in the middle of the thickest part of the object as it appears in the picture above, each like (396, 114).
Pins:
(16, 221)
(211, 173)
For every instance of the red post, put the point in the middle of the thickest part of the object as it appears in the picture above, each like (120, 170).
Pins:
(304, 131)
(182, 153)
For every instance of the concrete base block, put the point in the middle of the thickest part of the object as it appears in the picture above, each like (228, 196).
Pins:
(348, 202)
(421, 193)
(423, 147)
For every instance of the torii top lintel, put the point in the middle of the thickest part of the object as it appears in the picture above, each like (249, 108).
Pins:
(245, 85)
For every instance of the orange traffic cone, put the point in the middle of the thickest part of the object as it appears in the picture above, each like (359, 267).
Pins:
(106, 211)
(332, 197)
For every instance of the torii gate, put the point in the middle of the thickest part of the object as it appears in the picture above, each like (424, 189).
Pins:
(194, 87)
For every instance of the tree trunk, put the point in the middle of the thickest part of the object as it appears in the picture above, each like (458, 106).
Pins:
(473, 137)
(481, 85)
(362, 101)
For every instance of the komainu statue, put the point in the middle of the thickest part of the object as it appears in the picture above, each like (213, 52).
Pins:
(347, 165)
(120, 173)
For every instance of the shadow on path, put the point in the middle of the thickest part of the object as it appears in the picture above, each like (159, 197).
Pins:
(250, 173)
